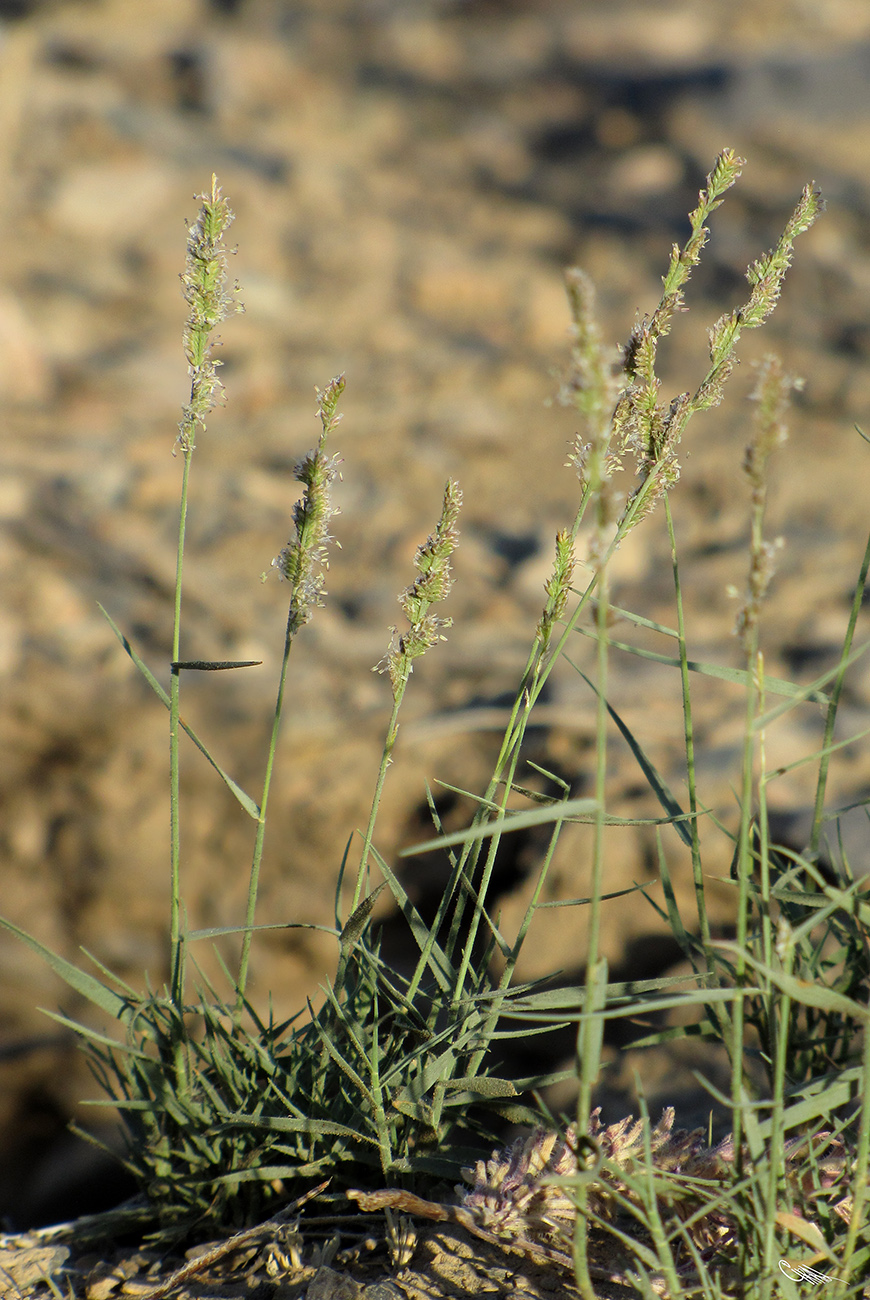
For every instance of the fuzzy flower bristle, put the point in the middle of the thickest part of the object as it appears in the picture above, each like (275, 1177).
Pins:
(306, 556)
(432, 584)
(771, 393)
(557, 587)
(204, 286)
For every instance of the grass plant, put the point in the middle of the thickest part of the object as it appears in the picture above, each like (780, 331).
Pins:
(228, 1114)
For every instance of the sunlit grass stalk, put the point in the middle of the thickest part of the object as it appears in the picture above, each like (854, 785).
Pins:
(587, 1051)
(431, 586)
(744, 862)
(689, 742)
(771, 393)
(764, 847)
(777, 1008)
(572, 393)
(834, 704)
(513, 955)
(640, 425)
(594, 390)
(301, 563)
(204, 285)
(557, 587)
(781, 1008)
(392, 736)
(591, 1027)
(595, 407)
(176, 978)
(469, 857)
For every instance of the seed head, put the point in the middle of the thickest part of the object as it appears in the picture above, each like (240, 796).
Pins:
(306, 555)
(433, 584)
(204, 285)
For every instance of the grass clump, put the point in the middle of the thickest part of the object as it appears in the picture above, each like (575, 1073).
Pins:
(228, 1113)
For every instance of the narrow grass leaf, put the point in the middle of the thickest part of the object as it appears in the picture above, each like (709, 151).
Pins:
(84, 1031)
(410, 1100)
(686, 942)
(807, 1232)
(90, 988)
(509, 1035)
(481, 800)
(358, 919)
(643, 1007)
(220, 931)
(286, 1124)
(583, 902)
(560, 811)
(110, 975)
(701, 1029)
(738, 676)
(250, 807)
(344, 1065)
(802, 991)
(573, 996)
(819, 1100)
(483, 1085)
(657, 785)
(439, 964)
(639, 621)
(809, 692)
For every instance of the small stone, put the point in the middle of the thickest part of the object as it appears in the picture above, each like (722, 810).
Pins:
(32, 1264)
(329, 1285)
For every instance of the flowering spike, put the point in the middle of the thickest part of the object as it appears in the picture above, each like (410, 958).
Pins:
(432, 563)
(305, 555)
(204, 286)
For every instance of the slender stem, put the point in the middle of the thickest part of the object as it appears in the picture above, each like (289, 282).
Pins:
(204, 287)
(507, 974)
(689, 740)
(834, 704)
(744, 869)
(590, 1028)
(175, 943)
(744, 856)
(254, 881)
(780, 1018)
(486, 875)
(531, 683)
(386, 760)
(300, 564)
(587, 1081)
(763, 830)
(537, 670)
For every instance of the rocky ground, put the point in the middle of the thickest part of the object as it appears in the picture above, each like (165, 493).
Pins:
(409, 179)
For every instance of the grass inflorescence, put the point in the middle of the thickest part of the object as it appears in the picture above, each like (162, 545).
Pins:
(228, 1113)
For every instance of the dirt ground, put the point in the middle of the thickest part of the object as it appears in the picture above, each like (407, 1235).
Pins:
(443, 1262)
(410, 179)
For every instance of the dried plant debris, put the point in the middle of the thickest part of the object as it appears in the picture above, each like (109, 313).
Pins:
(522, 1197)
(524, 1192)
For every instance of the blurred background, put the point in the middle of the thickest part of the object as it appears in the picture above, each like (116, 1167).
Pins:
(410, 179)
